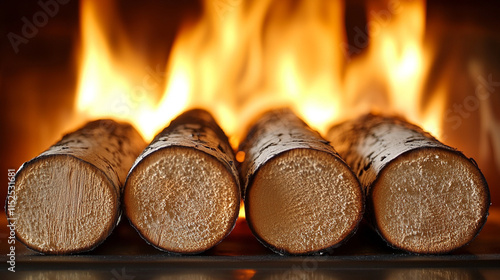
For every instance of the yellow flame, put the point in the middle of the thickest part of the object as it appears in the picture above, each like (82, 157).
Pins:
(236, 73)
(390, 77)
(111, 83)
(241, 214)
(242, 58)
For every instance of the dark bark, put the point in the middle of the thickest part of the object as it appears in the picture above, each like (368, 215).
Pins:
(422, 196)
(69, 196)
(300, 196)
(189, 171)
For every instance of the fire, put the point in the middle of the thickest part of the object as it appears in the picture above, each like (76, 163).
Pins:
(390, 77)
(246, 68)
(241, 213)
(242, 58)
(110, 84)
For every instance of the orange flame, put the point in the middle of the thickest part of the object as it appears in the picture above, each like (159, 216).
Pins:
(241, 214)
(391, 75)
(249, 65)
(110, 84)
(242, 58)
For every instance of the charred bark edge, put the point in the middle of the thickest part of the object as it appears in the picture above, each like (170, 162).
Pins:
(364, 126)
(203, 119)
(116, 214)
(141, 234)
(318, 252)
(370, 213)
(248, 172)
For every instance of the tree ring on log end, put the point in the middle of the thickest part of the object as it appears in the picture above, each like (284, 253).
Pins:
(67, 211)
(181, 200)
(303, 201)
(430, 200)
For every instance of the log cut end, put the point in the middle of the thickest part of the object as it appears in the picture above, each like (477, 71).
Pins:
(303, 201)
(64, 212)
(430, 200)
(182, 200)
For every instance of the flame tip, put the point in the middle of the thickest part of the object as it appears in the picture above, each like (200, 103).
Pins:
(238, 59)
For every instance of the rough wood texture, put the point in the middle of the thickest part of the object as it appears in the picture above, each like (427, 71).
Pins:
(183, 194)
(300, 196)
(68, 198)
(422, 196)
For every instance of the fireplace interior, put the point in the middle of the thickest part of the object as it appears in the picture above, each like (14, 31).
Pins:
(437, 64)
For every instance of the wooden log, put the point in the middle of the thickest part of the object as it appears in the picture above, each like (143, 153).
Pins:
(68, 197)
(182, 194)
(422, 196)
(300, 196)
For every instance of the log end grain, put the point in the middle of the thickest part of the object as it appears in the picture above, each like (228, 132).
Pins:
(430, 200)
(64, 212)
(304, 201)
(182, 200)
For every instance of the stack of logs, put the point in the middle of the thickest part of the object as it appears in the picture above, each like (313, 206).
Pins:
(302, 194)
